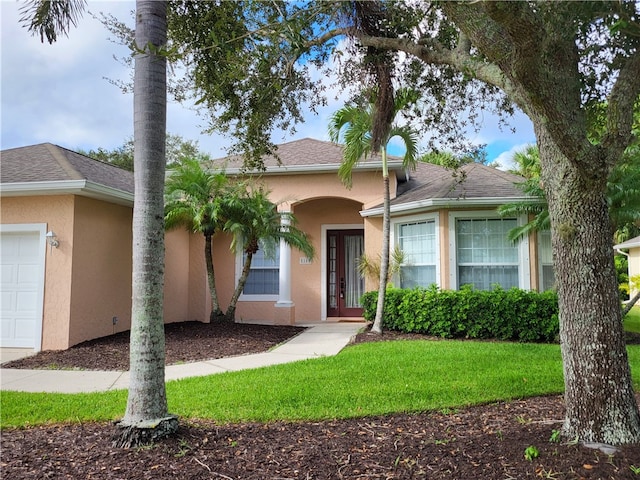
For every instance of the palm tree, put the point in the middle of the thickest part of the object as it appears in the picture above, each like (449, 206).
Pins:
(195, 199)
(358, 140)
(146, 417)
(623, 195)
(254, 222)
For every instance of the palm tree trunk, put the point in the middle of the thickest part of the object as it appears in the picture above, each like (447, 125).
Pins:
(216, 312)
(630, 304)
(384, 255)
(146, 418)
(246, 269)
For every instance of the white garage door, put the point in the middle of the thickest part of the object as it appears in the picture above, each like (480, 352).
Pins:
(21, 286)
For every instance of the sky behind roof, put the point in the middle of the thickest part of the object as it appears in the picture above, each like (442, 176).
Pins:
(61, 94)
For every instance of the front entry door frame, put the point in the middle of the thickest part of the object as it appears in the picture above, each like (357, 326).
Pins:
(324, 280)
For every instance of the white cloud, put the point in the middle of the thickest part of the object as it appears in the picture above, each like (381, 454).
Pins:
(57, 93)
(505, 159)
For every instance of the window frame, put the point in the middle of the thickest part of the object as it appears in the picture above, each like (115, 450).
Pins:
(255, 297)
(524, 269)
(396, 223)
(542, 264)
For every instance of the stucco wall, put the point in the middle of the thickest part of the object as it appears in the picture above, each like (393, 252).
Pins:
(176, 276)
(333, 213)
(306, 279)
(101, 273)
(316, 200)
(57, 213)
(88, 277)
(199, 300)
(367, 188)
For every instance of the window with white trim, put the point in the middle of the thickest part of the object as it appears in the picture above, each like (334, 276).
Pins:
(264, 274)
(417, 240)
(545, 255)
(485, 256)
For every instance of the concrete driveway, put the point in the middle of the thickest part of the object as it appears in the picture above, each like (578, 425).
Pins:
(9, 354)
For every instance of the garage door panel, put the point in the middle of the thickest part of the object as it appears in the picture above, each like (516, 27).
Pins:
(24, 329)
(25, 303)
(9, 274)
(21, 285)
(7, 328)
(28, 276)
(8, 300)
(28, 247)
(10, 246)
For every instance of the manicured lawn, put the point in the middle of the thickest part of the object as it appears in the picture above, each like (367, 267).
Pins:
(632, 320)
(366, 379)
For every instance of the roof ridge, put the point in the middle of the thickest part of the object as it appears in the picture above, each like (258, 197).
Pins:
(62, 160)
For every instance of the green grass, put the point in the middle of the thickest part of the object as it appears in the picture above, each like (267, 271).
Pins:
(632, 320)
(366, 379)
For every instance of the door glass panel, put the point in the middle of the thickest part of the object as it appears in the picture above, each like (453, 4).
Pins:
(333, 290)
(354, 283)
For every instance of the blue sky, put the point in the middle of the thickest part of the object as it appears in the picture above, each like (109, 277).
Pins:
(60, 94)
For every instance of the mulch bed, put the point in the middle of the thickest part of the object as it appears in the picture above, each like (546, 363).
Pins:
(184, 342)
(486, 441)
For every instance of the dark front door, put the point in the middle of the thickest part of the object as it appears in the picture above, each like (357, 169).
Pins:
(345, 286)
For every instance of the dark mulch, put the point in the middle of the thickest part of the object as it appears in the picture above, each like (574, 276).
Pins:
(184, 342)
(485, 442)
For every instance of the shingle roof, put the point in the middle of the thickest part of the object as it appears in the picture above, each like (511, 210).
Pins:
(50, 163)
(470, 181)
(426, 182)
(306, 152)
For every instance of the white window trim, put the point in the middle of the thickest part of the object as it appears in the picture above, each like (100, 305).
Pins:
(435, 217)
(524, 270)
(251, 298)
(540, 264)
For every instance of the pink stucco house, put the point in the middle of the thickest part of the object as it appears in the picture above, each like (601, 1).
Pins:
(59, 291)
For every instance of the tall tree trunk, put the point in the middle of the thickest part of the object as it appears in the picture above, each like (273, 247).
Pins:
(600, 404)
(146, 417)
(384, 255)
(230, 316)
(216, 312)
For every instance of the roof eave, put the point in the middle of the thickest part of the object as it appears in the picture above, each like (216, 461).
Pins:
(315, 168)
(82, 188)
(432, 203)
(633, 243)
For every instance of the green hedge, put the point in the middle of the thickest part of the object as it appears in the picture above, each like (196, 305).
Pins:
(513, 314)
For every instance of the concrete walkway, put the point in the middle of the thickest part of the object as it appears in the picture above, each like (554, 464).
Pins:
(318, 340)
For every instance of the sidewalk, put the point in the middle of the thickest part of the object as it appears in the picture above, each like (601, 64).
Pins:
(318, 340)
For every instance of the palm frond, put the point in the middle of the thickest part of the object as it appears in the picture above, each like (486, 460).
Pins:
(50, 18)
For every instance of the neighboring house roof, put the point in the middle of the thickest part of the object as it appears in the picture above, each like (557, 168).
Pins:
(308, 155)
(634, 242)
(48, 169)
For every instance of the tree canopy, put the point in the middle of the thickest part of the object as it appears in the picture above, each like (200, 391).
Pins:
(177, 150)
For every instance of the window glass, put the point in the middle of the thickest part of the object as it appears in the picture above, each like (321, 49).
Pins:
(485, 255)
(264, 275)
(548, 277)
(417, 240)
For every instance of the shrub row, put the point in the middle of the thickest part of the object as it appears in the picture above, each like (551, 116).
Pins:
(513, 314)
